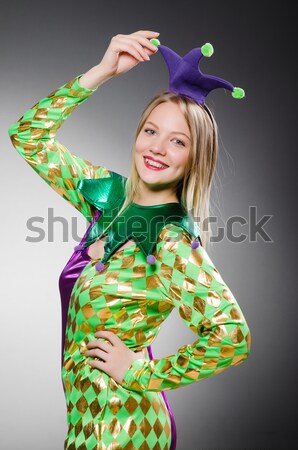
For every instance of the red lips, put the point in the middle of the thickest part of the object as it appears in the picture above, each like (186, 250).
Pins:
(156, 160)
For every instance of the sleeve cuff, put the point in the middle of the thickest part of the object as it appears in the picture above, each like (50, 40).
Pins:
(75, 90)
(77, 85)
(132, 376)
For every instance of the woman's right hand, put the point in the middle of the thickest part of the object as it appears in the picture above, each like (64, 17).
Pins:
(125, 51)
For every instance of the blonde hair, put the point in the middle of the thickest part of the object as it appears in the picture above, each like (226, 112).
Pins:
(193, 191)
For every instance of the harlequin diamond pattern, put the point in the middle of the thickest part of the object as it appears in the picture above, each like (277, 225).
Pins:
(34, 137)
(131, 299)
(101, 414)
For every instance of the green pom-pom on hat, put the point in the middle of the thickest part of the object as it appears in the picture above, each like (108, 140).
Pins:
(155, 42)
(238, 92)
(207, 49)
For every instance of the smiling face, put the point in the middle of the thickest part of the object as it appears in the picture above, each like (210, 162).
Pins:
(163, 139)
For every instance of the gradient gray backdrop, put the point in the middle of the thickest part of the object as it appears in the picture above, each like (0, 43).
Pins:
(45, 44)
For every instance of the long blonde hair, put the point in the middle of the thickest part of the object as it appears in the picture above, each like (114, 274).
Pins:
(193, 191)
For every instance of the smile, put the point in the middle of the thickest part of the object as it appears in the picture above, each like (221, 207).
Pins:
(154, 165)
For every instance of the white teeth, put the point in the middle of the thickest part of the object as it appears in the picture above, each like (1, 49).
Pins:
(155, 164)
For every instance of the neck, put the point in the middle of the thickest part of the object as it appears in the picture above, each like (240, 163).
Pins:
(147, 197)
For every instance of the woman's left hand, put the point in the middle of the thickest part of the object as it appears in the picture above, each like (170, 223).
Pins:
(116, 356)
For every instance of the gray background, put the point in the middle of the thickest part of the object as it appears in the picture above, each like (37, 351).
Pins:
(45, 44)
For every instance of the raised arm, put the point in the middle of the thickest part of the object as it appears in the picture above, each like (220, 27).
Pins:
(206, 305)
(34, 138)
(33, 135)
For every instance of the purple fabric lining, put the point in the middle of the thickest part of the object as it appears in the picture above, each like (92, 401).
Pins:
(67, 279)
(173, 424)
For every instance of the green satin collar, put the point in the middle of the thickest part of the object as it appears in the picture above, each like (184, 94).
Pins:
(141, 223)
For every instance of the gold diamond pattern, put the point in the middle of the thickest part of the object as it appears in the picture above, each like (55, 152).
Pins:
(101, 413)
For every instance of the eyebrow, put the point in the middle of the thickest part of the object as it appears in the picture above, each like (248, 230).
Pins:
(177, 132)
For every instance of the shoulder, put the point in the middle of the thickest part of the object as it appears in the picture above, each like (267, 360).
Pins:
(175, 243)
(184, 233)
(177, 255)
(105, 192)
(173, 233)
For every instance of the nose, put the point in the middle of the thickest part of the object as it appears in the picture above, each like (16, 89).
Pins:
(159, 147)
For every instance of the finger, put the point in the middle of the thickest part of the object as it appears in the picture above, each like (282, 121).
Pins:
(104, 345)
(137, 46)
(140, 49)
(95, 342)
(99, 343)
(146, 33)
(110, 336)
(130, 50)
(97, 353)
(147, 44)
(97, 364)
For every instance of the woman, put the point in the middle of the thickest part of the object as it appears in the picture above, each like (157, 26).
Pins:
(131, 270)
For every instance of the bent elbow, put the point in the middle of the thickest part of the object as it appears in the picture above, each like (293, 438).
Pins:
(13, 133)
(248, 342)
(244, 349)
(13, 128)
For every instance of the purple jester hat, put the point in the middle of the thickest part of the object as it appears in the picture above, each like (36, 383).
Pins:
(186, 78)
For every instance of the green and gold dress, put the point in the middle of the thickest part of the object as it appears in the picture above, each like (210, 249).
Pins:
(130, 292)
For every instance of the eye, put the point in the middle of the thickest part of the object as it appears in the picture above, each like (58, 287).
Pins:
(180, 142)
(148, 129)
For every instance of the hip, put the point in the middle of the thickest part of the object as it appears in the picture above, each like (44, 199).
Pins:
(103, 414)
